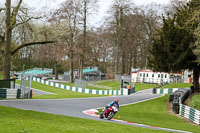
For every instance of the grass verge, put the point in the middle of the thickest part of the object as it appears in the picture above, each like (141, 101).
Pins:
(177, 85)
(195, 101)
(116, 85)
(1, 75)
(59, 93)
(21, 121)
(142, 86)
(155, 113)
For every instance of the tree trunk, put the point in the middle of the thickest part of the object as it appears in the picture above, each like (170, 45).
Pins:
(130, 62)
(135, 59)
(72, 67)
(196, 80)
(84, 40)
(7, 53)
(123, 63)
(55, 70)
(117, 61)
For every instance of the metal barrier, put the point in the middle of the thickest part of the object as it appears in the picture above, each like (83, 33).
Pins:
(7, 83)
(25, 86)
(177, 98)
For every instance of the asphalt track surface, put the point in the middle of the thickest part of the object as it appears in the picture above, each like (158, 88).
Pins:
(76, 106)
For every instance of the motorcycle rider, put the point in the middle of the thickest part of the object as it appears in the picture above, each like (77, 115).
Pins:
(113, 103)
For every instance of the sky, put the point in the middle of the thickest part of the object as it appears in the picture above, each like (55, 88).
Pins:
(50, 5)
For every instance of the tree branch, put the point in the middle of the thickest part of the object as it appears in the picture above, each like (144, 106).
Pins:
(14, 14)
(13, 26)
(1, 9)
(30, 44)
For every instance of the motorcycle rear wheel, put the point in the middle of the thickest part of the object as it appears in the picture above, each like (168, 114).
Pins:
(110, 115)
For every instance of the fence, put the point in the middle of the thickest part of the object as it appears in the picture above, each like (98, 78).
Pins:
(80, 83)
(190, 113)
(124, 77)
(158, 80)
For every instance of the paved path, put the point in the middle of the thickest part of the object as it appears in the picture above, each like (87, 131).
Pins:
(75, 106)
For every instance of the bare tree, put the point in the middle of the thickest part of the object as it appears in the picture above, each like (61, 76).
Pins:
(88, 7)
(11, 23)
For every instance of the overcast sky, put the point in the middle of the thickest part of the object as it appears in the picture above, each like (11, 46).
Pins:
(50, 5)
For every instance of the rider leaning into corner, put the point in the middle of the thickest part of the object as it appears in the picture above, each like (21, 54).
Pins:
(113, 103)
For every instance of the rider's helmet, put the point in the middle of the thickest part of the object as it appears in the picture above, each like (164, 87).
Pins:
(116, 101)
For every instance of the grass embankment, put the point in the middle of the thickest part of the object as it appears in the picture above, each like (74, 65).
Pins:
(195, 101)
(21, 121)
(88, 87)
(1, 75)
(59, 93)
(177, 85)
(143, 86)
(116, 85)
(155, 113)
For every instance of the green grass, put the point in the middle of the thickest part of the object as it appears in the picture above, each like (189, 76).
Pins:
(88, 87)
(21, 121)
(177, 85)
(195, 101)
(142, 86)
(114, 84)
(60, 93)
(155, 113)
(1, 75)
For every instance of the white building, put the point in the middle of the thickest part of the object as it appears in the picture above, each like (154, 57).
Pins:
(148, 76)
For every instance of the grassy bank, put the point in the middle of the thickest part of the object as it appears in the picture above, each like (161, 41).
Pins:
(59, 93)
(21, 121)
(1, 75)
(142, 86)
(155, 113)
(116, 85)
(195, 101)
(177, 85)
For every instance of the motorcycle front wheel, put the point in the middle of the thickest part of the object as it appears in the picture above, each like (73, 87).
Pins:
(101, 115)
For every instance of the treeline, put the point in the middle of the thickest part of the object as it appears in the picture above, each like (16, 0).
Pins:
(162, 38)
(122, 42)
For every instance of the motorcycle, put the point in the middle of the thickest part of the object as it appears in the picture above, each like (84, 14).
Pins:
(108, 113)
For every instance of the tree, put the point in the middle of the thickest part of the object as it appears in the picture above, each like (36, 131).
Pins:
(174, 44)
(6, 38)
(88, 7)
(69, 15)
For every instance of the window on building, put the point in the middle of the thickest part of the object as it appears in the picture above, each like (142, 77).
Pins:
(147, 75)
(158, 75)
(152, 75)
(140, 74)
(165, 75)
(161, 75)
(143, 74)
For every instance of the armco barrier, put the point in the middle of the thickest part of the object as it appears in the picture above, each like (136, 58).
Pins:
(184, 111)
(10, 93)
(164, 91)
(122, 91)
(190, 113)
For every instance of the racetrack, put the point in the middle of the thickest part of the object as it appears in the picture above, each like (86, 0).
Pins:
(75, 106)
